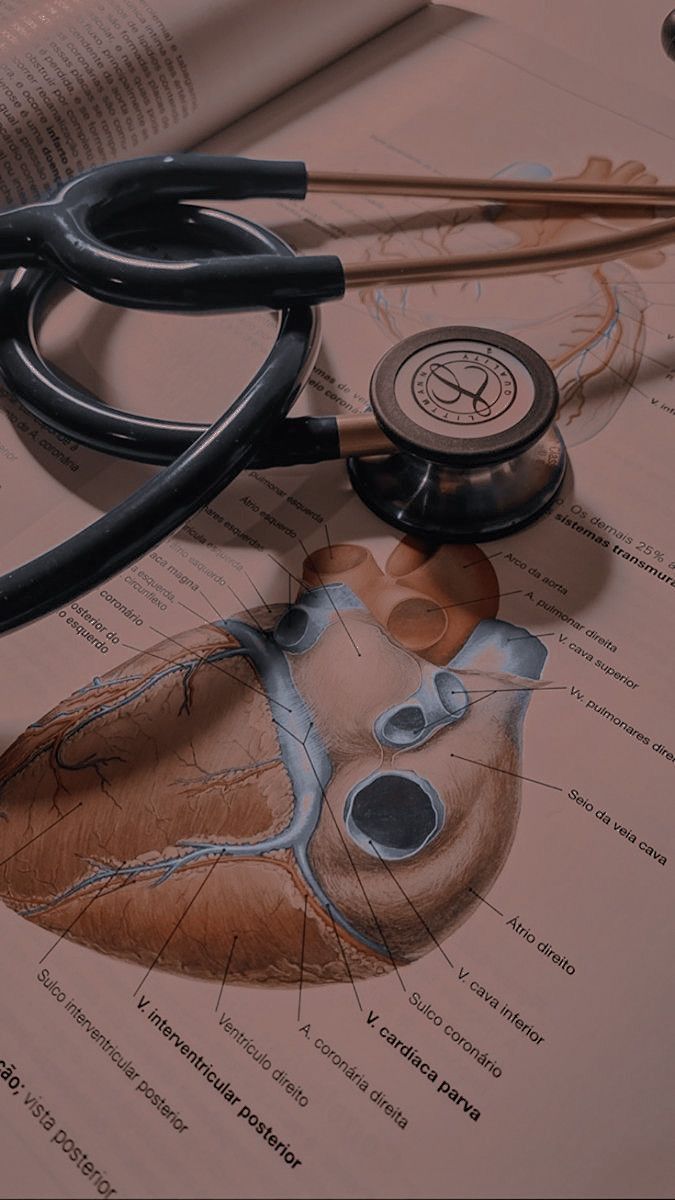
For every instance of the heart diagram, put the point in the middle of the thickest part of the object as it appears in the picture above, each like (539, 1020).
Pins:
(321, 787)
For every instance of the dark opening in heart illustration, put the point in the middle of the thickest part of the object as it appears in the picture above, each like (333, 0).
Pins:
(313, 774)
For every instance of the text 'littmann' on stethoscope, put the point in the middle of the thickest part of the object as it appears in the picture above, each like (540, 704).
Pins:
(461, 444)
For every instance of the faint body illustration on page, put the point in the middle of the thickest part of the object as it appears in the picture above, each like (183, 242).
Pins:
(305, 777)
(587, 322)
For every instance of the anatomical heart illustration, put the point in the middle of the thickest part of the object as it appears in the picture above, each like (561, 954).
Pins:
(308, 781)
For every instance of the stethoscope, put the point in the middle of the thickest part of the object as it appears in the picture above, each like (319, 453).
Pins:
(461, 445)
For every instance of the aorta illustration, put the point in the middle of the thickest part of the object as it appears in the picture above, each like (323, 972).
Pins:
(316, 778)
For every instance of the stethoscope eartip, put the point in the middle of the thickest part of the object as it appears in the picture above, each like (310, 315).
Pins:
(668, 34)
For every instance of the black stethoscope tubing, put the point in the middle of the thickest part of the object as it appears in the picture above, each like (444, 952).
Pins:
(71, 231)
(199, 473)
(70, 409)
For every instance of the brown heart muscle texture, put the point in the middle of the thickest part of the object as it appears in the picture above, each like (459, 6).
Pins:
(297, 782)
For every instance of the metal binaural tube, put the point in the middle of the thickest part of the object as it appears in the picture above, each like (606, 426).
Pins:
(513, 190)
(508, 262)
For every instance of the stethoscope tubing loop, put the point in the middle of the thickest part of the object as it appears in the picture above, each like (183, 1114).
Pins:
(198, 474)
(155, 510)
(66, 232)
(71, 409)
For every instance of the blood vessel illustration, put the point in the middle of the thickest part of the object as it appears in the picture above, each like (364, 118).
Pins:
(315, 778)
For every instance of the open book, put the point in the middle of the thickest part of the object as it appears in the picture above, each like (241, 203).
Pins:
(86, 82)
(332, 863)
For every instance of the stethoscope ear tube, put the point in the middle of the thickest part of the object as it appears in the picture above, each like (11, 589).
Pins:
(201, 471)
(72, 232)
(69, 231)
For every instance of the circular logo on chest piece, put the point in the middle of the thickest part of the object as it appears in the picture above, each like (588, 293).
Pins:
(464, 387)
(460, 394)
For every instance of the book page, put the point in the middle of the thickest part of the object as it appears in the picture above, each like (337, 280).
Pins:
(337, 864)
(84, 83)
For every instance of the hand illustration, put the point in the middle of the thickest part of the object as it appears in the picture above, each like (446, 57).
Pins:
(557, 224)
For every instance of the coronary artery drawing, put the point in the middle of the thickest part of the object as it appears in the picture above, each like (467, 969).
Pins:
(306, 783)
(587, 322)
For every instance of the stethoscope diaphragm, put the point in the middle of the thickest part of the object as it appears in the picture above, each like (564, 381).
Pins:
(471, 412)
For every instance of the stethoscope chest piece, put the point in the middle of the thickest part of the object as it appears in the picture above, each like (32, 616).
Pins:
(471, 412)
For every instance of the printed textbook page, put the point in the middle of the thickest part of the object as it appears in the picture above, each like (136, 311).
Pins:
(90, 81)
(339, 865)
